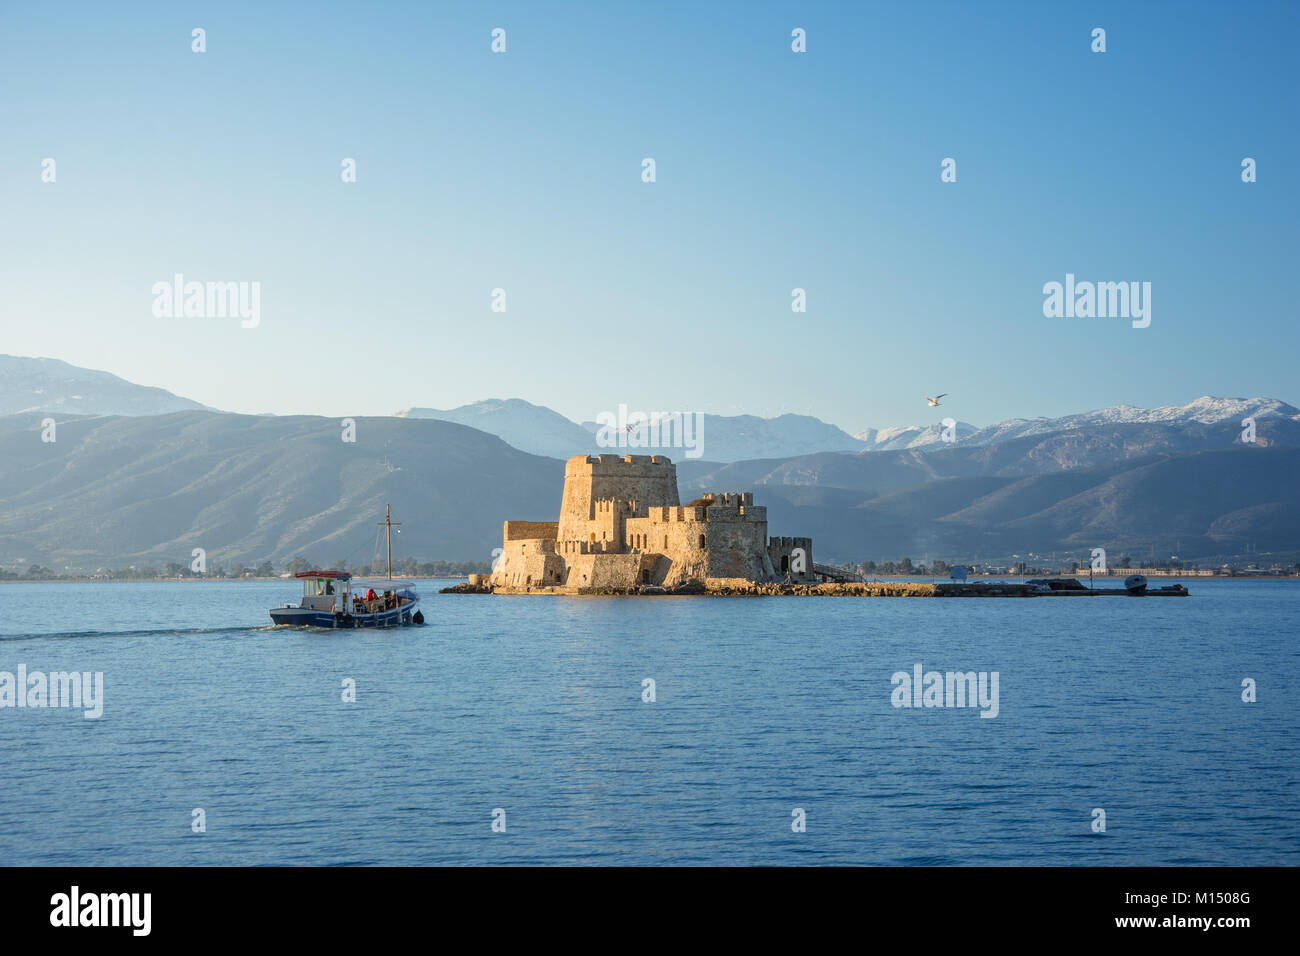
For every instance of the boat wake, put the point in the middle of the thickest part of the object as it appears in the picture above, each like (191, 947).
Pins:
(137, 632)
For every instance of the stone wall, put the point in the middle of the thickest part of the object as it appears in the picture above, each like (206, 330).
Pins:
(780, 552)
(617, 571)
(522, 566)
(516, 530)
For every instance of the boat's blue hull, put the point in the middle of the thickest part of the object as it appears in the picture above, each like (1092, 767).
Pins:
(306, 617)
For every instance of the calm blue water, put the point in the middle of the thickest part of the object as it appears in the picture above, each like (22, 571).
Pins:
(533, 705)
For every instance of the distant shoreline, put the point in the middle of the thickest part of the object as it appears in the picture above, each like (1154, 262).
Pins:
(916, 578)
(199, 580)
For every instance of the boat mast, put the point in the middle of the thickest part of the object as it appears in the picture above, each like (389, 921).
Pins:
(388, 535)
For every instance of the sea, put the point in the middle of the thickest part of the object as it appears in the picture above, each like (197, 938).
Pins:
(541, 730)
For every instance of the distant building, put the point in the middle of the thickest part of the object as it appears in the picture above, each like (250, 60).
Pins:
(622, 525)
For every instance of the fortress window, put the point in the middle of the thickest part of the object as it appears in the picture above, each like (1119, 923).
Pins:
(665, 542)
(701, 542)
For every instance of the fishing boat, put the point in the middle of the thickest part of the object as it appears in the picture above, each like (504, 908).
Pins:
(336, 599)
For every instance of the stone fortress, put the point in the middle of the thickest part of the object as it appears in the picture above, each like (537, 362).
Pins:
(623, 528)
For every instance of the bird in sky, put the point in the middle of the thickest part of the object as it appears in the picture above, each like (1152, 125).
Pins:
(934, 402)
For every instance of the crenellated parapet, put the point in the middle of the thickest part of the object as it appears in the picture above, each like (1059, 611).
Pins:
(616, 464)
(737, 499)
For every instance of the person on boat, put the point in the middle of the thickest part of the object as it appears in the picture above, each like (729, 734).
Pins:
(370, 595)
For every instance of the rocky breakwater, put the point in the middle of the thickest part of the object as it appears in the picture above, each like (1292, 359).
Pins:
(740, 587)
(719, 587)
(475, 584)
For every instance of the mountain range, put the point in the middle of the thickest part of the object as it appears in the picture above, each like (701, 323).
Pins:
(541, 431)
(1154, 490)
(149, 484)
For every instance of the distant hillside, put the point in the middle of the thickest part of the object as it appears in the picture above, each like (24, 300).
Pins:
(1219, 495)
(42, 384)
(1228, 501)
(119, 490)
(115, 491)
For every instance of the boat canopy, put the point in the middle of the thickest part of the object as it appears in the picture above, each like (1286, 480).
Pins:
(343, 575)
(381, 584)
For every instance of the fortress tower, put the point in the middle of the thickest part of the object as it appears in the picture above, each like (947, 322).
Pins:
(645, 480)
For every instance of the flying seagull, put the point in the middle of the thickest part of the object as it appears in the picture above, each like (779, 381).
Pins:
(934, 402)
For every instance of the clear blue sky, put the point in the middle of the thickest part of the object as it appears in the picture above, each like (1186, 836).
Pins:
(775, 170)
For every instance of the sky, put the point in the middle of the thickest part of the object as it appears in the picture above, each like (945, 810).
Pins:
(774, 170)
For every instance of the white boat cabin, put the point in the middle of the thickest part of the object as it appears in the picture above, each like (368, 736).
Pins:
(337, 591)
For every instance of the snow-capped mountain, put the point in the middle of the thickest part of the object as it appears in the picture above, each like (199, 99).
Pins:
(535, 429)
(747, 437)
(909, 436)
(49, 385)
(1206, 410)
